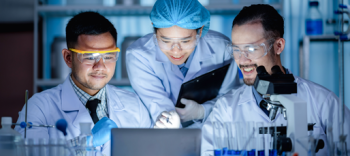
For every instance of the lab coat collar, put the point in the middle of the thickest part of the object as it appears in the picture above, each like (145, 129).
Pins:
(113, 101)
(70, 100)
(202, 53)
(246, 95)
(248, 98)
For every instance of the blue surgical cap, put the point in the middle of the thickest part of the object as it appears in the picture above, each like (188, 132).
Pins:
(188, 14)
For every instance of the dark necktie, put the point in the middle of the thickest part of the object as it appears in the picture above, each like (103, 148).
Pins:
(263, 106)
(92, 105)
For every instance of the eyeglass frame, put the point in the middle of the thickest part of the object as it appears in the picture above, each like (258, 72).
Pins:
(262, 44)
(155, 40)
(80, 52)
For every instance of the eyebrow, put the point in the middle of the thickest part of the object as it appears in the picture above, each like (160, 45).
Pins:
(166, 38)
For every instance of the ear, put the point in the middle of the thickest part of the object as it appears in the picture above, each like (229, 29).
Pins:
(68, 57)
(279, 46)
(200, 31)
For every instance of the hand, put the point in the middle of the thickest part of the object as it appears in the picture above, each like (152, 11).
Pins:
(102, 131)
(168, 120)
(192, 111)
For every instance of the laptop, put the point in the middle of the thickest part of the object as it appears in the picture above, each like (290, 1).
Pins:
(203, 88)
(155, 142)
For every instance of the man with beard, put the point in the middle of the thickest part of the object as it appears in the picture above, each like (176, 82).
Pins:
(257, 40)
(85, 95)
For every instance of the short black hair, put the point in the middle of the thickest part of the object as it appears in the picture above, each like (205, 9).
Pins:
(268, 16)
(88, 23)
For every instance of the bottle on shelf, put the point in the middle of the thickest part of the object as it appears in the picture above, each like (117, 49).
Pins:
(314, 22)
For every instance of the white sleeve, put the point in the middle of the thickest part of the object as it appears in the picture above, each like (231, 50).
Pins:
(147, 85)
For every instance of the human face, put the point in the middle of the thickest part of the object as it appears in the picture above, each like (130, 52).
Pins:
(176, 54)
(92, 77)
(253, 34)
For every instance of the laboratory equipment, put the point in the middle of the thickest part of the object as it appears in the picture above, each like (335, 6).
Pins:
(341, 146)
(343, 34)
(260, 147)
(30, 125)
(9, 138)
(277, 89)
(314, 22)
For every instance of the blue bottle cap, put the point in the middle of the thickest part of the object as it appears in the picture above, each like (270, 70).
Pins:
(273, 152)
(343, 6)
(251, 153)
(217, 152)
(344, 37)
(261, 153)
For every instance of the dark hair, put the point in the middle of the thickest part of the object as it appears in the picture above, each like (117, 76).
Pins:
(155, 29)
(88, 23)
(270, 19)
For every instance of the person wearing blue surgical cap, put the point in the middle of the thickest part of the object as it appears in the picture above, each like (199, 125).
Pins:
(181, 48)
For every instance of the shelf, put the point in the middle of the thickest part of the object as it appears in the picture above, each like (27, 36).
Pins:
(52, 11)
(322, 37)
(304, 52)
(55, 82)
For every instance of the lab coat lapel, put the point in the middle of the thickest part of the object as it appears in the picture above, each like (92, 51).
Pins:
(71, 102)
(114, 104)
(202, 53)
(248, 100)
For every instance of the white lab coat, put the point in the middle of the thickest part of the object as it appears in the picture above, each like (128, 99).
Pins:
(157, 81)
(240, 106)
(61, 102)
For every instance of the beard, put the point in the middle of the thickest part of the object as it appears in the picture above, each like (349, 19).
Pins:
(248, 81)
(88, 84)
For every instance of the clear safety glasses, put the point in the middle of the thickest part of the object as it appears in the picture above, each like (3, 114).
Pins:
(181, 43)
(92, 57)
(250, 51)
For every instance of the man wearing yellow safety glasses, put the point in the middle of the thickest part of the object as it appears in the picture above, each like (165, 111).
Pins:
(85, 95)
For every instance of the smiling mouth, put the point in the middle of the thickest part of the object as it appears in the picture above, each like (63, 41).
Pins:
(177, 57)
(248, 69)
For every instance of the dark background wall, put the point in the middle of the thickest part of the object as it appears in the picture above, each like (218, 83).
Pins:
(16, 66)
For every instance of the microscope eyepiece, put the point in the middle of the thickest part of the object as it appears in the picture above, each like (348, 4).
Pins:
(276, 70)
(261, 70)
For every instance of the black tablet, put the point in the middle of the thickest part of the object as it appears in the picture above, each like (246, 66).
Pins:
(203, 88)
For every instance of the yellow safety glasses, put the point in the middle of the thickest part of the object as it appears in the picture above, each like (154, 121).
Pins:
(92, 57)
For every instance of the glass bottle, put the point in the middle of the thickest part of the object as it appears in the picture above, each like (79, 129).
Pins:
(314, 23)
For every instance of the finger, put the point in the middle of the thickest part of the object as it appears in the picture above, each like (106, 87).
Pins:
(185, 101)
(163, 120)
(165, 114)
(160, 124)
(173, 115)
(180, 111)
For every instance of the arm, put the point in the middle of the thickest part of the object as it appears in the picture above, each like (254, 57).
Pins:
(148, 86)
(145, 118)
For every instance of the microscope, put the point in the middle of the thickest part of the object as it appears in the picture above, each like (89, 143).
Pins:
(277, 90)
